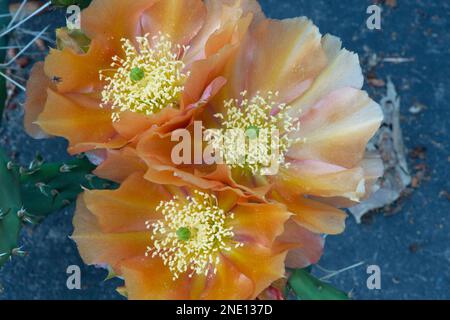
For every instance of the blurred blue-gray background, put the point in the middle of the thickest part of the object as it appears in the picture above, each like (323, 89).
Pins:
(410, 241)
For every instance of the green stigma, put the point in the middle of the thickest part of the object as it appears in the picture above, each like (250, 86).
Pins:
(184, 234)
(137, 74)
(252, 132)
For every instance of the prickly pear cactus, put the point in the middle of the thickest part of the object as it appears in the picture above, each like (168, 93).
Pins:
(49, 187)
(10, 204)
(4, 20)
(28, 195)
(306, 287)
(65, 3)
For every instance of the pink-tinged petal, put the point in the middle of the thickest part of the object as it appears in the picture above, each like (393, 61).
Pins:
(373, 168)
(277, 56)
(77, 119)
(337, 129)
(36, 98)
(99, 247)
(275, 291)
(127, 208)
(306, 247)
(179, 19)
(232, 33)
(343, 70)
(224, 24)
(237, 17)
(205, 81)
(332, 46)
(322, 179)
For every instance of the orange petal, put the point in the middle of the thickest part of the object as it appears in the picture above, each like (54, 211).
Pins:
(98, 247)
(85, 126)
(312, 215)
(156, 151)
(78, 72)
(253, 185)
(165, 174)
(343, 70)
(156, 146)
(261, 264)
(253, 188)
(318, 217)
(36, 97)
(259, 223)
(131, 124)
(179, 177)
(202, 75)
(305, 247)
(226, 20)
(338, 128)
(284, 56)
(179, 19)
(108, 21)
(120, 164)
(236, 19)
(150, 279)
(129, 207)
(373, 169)
(114, 143)
(322, 179)
(218, 41)
(227, 199)
(228, 284)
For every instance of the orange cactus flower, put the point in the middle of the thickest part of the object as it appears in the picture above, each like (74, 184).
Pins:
(286, 78)
(170, 242)
(134, 65)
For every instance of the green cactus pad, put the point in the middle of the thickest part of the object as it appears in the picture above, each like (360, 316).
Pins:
(29, 195)
(307, 287)
(66, 3)
(10, 204)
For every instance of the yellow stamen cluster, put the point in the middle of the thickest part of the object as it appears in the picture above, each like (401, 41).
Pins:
(191, 234)
(267, 126)
(148, 79)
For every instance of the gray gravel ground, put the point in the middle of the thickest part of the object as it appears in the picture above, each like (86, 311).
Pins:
(411, 246)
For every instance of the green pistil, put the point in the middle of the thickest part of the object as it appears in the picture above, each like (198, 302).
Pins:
(252, 132)
(184, 234)
(137, 74)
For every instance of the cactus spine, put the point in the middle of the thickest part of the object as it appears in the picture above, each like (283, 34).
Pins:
(28, 195)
